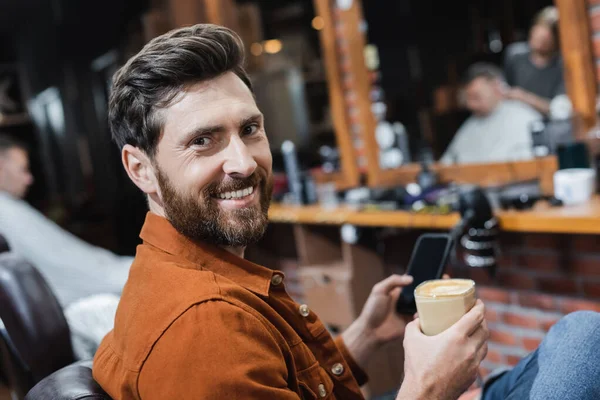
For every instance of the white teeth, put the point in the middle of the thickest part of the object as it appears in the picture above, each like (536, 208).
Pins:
(237, 194)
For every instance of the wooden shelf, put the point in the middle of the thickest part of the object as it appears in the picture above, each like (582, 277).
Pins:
(582, 219)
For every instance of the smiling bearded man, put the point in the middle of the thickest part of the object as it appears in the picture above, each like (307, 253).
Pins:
(198, 321)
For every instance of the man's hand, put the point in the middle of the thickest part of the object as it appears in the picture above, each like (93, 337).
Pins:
(516, 93)
(378, 322)
(539, 103)
(442, 367)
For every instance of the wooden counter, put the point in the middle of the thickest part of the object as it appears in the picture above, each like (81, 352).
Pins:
(582, 219)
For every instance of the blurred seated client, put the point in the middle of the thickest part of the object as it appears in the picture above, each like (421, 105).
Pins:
(498, 129)
(86, 279)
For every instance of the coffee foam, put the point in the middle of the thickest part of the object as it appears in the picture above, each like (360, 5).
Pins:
(445, 287)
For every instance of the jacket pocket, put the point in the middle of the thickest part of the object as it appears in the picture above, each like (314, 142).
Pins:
(315, 383)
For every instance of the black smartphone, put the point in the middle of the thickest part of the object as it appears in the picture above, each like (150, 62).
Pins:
(428, 261)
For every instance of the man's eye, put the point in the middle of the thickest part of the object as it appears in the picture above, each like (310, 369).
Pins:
(201, 141)
(250, 129)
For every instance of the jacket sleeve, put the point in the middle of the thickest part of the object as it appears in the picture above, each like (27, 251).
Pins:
(215, 350)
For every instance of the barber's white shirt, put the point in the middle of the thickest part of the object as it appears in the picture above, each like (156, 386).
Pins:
(73, 268)
(504, 135)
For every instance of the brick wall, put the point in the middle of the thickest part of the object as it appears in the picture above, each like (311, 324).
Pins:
(540, 278)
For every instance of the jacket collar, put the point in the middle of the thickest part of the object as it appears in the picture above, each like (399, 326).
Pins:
(158, 232)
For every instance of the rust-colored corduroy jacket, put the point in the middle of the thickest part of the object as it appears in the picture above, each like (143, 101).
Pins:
(197, 322)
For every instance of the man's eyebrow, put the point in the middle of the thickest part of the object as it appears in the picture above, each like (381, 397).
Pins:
(253, 118)
(204, 130)
(207, 130)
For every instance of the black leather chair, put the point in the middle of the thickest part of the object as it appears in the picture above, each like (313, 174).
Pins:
(4, 247)
(74, 382)
(35, 339)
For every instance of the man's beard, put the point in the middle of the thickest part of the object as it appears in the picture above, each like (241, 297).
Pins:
(202, 219)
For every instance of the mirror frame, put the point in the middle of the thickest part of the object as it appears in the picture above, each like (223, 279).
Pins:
(343, 42)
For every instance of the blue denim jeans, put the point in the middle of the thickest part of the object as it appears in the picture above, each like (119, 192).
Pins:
(566, 366)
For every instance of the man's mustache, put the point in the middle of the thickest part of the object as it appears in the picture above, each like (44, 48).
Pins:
(235, 184)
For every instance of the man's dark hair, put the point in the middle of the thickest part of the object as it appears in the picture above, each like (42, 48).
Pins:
(7, 143)
(151, 80)
(483, 70)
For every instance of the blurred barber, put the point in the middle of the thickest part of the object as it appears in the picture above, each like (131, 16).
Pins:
(534, 71)
(498, 129)
(86, 279)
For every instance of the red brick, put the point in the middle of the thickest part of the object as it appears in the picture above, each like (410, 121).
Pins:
(591, 289)
(492, 315)
(516, 280)
(502, 337)
(585, 243)
(508, 240)
(505, 260)
(481, 276)
(494, 356)
(548, 323)
(539, 262)
(493, 294)
(530, 344)
(543, 241)
(595, 21)
(539, 301)
(586, 266)
(558, 285)
(520, 320)
(512, 360)
(484, 372)
(596, 46)
(571, 305)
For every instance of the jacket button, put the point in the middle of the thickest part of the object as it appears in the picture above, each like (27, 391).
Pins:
(322, 391)
(337, 369)
(304, 310)
(276, 280)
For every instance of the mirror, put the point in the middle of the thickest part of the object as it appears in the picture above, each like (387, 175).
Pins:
(467, 82)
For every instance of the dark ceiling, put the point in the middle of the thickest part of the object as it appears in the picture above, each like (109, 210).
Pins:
(77, 24)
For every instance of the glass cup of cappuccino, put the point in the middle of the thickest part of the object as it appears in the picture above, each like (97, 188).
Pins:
(442, 302)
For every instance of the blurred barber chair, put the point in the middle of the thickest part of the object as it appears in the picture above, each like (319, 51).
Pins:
(478, 230)
(74, 382)
(34, 335)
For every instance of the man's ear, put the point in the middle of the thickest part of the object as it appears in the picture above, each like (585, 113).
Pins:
(140, 169)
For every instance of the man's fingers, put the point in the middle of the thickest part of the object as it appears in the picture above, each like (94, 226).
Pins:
(480, 336)
(412, 328)
(392, 282)
(395, 293)
(481, 353)
(471, 321)
(446, 276)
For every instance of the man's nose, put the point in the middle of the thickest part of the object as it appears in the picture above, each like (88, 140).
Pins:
(238, 159)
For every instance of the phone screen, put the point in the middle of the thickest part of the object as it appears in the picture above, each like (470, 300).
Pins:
(427, 262)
